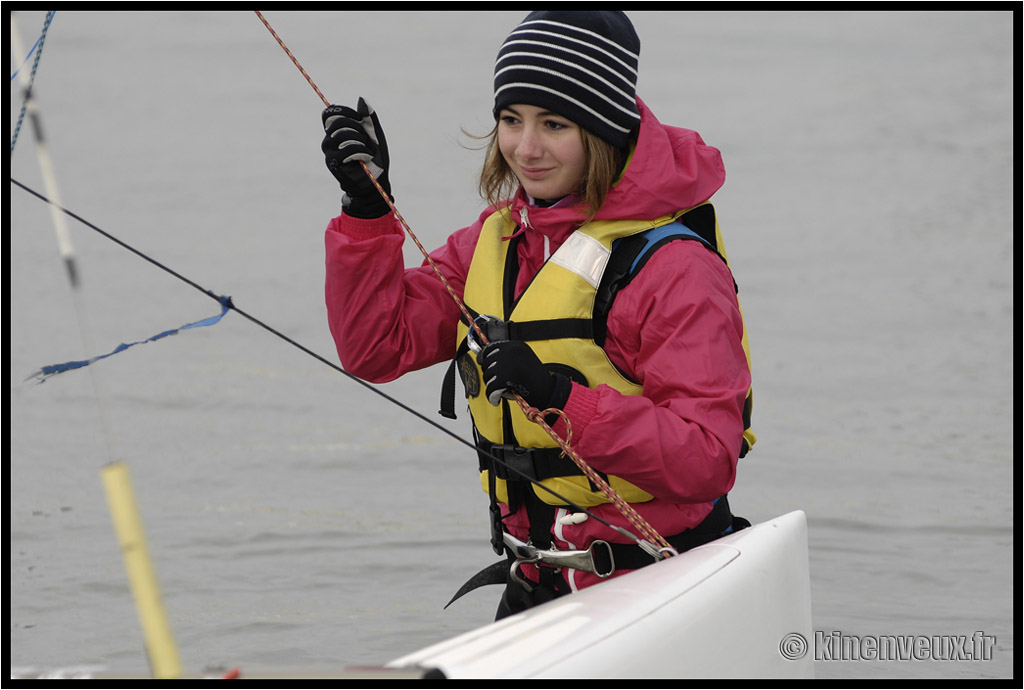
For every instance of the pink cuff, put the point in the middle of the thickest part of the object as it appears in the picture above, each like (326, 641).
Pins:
(366, 228)
(580, 409)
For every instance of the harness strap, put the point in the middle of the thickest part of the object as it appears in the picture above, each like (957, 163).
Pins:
(494, 574)
(447, 407)
(629, 255)
(719, 522)
(540, 329)
(536, 463)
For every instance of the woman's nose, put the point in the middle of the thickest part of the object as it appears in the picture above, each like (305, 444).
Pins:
(529, 145)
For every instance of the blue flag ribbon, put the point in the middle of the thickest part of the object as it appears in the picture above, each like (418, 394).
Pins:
(51, 370)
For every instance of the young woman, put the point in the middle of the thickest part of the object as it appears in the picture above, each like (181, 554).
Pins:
(601, 285)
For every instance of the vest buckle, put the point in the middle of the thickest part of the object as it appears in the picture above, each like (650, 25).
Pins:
(493, 328)
(516, 458)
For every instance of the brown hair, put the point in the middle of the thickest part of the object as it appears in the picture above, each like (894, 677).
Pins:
(604, 163)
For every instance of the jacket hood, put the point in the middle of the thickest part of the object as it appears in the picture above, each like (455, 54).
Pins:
(671, 169)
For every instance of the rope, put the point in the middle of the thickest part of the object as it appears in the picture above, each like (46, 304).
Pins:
(634, 518)
(285, 48)
(35, 65)
(384, 194)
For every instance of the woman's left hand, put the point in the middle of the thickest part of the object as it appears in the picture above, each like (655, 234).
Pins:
(511, 366)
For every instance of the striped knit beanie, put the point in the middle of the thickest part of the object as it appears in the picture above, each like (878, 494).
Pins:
(580, 65)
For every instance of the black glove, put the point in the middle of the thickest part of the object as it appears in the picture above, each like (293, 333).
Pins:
(354, 136)
(511, 366)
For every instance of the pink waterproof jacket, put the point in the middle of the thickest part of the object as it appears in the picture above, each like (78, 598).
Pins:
(676, 329)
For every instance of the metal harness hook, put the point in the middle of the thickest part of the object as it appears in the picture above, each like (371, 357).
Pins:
(600, 563)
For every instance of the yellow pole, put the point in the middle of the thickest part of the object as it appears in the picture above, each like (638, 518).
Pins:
(160, 646)
(163, 654)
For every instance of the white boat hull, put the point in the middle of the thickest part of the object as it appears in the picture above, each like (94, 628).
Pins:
(728, 609)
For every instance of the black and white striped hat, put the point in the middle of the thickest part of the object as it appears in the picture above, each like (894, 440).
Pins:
(580, 65)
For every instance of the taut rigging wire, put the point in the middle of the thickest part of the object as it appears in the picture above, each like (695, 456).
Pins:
(227, 303)
(652, 542)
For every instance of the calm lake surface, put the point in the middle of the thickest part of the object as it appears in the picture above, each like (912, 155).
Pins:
(299, 521)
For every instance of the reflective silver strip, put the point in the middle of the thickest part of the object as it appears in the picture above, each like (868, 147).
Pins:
(584, 256)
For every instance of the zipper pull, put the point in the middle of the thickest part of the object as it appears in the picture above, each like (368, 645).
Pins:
(524, 218)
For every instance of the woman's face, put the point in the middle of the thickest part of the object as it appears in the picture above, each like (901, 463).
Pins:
(544, 150)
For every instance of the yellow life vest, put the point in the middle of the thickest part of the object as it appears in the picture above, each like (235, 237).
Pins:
(555, 315)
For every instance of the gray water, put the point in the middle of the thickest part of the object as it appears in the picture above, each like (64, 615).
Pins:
(298, 521)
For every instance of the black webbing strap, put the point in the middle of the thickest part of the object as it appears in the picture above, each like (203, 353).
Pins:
(537, 463)
(717, 523)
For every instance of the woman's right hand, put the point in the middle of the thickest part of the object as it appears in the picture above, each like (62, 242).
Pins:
(353, 137)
